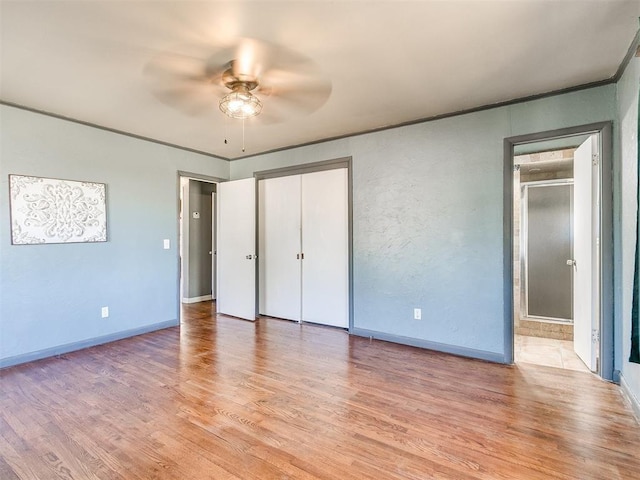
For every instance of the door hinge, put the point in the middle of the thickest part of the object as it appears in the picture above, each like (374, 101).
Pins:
(595, 159)
(595, 336)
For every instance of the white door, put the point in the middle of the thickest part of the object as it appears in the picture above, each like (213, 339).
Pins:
(236, 257)
(325, 267)
(585, 289)
(279, 239)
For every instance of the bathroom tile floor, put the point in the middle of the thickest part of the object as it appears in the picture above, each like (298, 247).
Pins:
(548, 352)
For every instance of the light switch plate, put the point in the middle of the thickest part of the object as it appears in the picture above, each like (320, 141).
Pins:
(167, 244)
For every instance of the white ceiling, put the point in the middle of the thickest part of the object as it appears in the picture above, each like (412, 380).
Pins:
(389, 62)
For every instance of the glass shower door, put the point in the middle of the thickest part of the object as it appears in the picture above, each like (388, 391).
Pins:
(547, 251)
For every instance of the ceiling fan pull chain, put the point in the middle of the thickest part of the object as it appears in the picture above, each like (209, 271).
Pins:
(243, 135)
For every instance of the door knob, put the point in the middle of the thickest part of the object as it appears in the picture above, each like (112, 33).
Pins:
(571, 263)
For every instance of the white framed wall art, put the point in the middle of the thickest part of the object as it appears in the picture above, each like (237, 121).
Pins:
(49, 210)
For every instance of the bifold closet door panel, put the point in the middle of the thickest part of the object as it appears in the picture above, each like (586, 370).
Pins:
(325, 268)
(279, 240)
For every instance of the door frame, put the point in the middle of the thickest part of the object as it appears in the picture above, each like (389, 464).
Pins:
(214, 245)
(343, 162)
(180, 174)
(605, 250)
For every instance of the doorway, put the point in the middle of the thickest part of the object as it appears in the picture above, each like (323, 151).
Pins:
(197, 239)
(543, 250)
(558, 216)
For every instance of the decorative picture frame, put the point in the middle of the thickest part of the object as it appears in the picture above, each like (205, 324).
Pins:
(49, 210)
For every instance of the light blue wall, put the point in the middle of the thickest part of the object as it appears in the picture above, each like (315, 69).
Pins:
(627, 103)
(427, 218)
(427, 203)
(51, 295)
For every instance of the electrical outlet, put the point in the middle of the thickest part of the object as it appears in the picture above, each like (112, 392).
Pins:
(105, 312)
(417, 314)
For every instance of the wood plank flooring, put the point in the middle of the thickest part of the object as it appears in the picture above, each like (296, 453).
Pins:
(222, 398)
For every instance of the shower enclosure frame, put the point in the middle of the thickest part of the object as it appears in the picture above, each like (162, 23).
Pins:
(524, 249)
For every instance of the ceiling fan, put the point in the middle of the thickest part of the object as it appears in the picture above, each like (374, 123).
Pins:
(248, 79)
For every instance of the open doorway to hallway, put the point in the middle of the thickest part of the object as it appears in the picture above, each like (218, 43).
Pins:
(197, 239)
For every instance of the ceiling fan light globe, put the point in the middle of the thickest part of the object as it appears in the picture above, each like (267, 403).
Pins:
(234, 105)
(240, 105)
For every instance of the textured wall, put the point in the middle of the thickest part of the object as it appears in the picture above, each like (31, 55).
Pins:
(627, 101)
(427, 207)
(51, 295)
(427, 224)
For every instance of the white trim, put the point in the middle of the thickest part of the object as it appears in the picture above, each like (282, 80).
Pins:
(628, 394)
(203, 298)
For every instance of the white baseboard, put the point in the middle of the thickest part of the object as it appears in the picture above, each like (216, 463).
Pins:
(635, 403)
(203, 298)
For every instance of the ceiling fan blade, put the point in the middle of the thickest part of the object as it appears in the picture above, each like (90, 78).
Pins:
(175, 67)
(199, 76)
(293, 94)
(251, 58)
(188, 100)
(183, 82)
(278, 80)
(271, 116)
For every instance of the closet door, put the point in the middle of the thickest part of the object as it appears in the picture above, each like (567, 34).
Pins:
(325, 268)
(279, 239)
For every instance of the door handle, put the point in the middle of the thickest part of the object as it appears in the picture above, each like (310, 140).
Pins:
(251, 257)
(571, 263)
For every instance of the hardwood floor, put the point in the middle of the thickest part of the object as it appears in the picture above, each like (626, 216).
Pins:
(222, 398)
